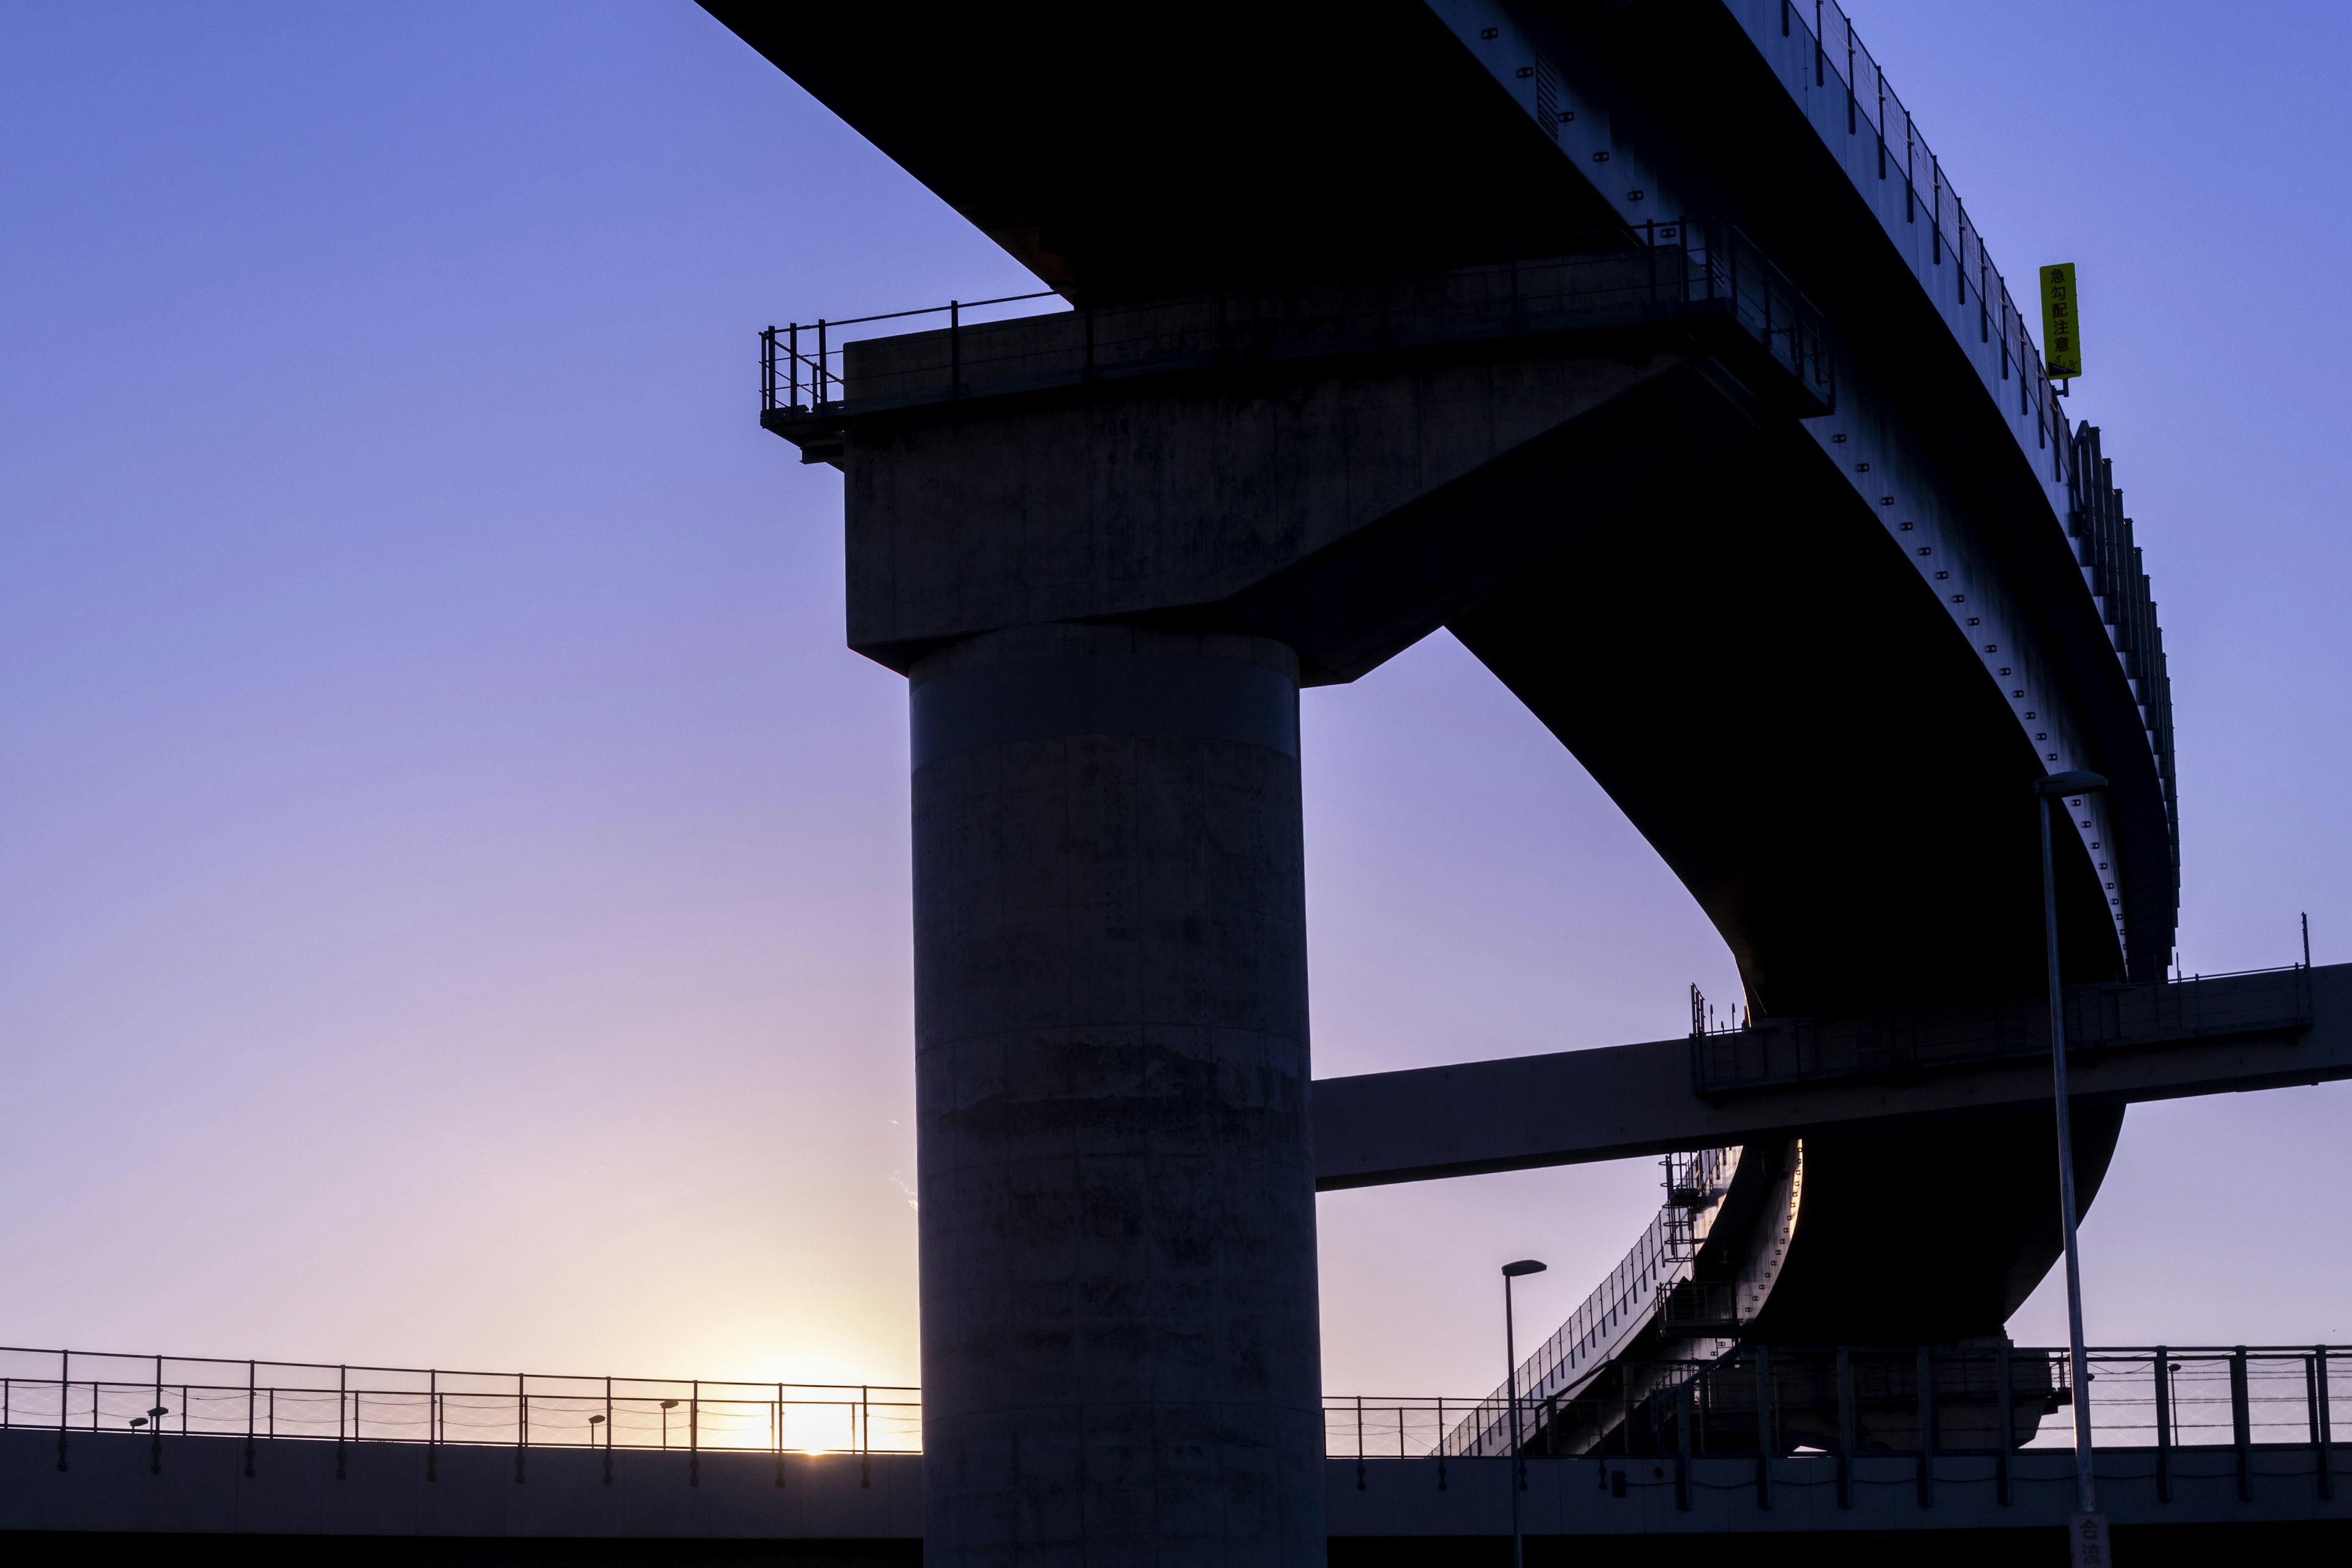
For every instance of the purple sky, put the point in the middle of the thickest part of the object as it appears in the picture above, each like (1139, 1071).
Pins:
(453, 880)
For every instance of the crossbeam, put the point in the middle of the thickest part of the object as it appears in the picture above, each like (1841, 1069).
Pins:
(2221, 1036)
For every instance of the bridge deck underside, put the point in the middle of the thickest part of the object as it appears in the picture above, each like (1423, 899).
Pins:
(1749, 668)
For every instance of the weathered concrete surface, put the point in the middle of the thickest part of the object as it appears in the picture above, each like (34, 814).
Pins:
(1120, 1355)
(1345, 515)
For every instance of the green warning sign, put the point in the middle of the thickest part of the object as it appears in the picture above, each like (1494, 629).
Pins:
(2062, 321)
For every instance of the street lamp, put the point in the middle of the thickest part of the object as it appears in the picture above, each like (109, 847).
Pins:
(1511, 1393)
(595, 1422)
(667, 1405)
(2058, 786)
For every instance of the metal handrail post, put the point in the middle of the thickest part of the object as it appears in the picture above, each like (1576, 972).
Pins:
(2163, 1425)
(522, 1424)
(793, 359)
(1682, 1447)
(816, 397)
(155, 1423)
(2321, 1438)
(694, 1411)
(2241, 1424)
(342, 1381)
(65, 1389)
(955, 390)
(432, 1424)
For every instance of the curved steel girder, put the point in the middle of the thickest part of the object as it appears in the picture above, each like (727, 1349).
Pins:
(1760, 678)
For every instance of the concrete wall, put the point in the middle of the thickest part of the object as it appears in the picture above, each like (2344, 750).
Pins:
(107, 1490)
(1403, 1498)
(110, 1484)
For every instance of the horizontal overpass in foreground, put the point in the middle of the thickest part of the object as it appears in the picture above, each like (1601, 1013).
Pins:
(1866, 1444)
(293, 1508)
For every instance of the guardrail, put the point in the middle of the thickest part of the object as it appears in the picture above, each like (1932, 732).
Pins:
(2103, 1017)
(1649, 1273)
(1835, 1401)
(1544, 284)
(1922, 1401)
(1873, 107)
(73, 1392)
(2095, 520)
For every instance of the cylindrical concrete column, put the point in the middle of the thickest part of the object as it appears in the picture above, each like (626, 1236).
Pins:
(1120, 1355)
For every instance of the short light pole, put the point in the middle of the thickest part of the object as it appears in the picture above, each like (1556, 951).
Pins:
(2056, 787)
(1511, 1393)
(666, 1406)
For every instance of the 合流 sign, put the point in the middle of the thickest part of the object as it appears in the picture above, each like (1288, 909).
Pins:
(2062, 321)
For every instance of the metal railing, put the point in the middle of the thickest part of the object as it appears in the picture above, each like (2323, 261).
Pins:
(75, 1391)
(802, 366)
(2118, 579)
(1544, 285)
(1777, 1052)
(2094, 509)
(1908, 1400)
(1874, 109)
(1623, 1300)
(1838, 1401)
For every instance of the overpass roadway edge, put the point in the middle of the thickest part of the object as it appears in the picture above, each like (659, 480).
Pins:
(1621, 1101)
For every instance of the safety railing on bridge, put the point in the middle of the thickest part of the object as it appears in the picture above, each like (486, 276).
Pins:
(1833, 1401)
(1880, 1400)
(1773, 1053)
(2095, 519)
(1546, 284)
(1873, 108)
(76, 1392)
(2119, 579)
(1660, 1261)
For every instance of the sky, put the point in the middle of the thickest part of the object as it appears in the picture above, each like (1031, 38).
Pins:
(454, 878)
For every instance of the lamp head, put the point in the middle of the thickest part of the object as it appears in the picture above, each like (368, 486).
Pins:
(1524, 1266)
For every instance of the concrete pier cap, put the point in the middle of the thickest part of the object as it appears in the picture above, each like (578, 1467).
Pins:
(1120, 1338)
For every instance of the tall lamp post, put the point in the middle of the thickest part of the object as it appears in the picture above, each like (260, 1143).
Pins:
(1511, 1393)
(2055, 787)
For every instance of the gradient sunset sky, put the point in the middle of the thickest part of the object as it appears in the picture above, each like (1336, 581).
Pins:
(454, 879)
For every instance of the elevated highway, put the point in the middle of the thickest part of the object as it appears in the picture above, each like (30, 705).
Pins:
(1815, 587)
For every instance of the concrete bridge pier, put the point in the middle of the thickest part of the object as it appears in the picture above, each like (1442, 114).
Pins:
(1119, 1341)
